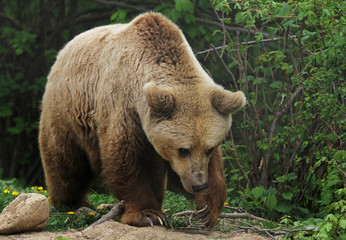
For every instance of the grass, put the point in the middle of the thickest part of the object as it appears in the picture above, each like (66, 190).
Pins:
(61, 220)
(69, 219)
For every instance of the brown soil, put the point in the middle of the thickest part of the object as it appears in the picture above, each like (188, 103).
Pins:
(114, 230)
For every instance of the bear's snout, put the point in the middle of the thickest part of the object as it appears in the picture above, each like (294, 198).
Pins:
(199, 188)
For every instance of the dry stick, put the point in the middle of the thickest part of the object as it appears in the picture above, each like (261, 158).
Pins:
(239, 210)
(224, 215)
(116, 210)
(242, 215)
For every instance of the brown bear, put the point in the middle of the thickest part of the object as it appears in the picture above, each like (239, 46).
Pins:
(130, 103)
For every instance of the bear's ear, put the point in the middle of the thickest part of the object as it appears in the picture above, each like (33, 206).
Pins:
(227, 102)
(159, 99)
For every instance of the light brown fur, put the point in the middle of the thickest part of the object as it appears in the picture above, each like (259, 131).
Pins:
(120, 102)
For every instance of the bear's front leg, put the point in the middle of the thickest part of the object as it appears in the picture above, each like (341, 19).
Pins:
(144, 203)
(209, 203)
(136, 174)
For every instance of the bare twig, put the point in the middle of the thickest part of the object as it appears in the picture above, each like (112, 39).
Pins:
(239, 210)
(122, 4)
(13, 21)
(242, 215)
(228, 28)
(105, 206)
(116, 210)
(223, 215)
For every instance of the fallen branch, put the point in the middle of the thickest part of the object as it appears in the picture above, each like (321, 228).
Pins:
(242, 215)
(116, 210)
(239, 210)
(273, 231)
(223, 215)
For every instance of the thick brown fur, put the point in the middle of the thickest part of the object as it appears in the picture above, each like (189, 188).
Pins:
(121, 102)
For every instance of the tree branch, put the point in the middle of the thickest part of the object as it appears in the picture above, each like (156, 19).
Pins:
(122, 4)
(116, 210)
(242, 43)
(228, 28)
(14, 22)
(271, 133)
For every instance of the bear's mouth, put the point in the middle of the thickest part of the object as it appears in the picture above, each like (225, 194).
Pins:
(192, 187)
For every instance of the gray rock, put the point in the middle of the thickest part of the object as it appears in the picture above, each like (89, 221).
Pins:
(28, 212)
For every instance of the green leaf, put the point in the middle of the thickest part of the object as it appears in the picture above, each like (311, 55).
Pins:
(258, 36)
(291, 176)
(184, 6)
(276, 85)
(284, 11)
(287, 195)
(340, 155)
(257, 192)
(189, 18)
(290, 23)
(328, 227)
(326, 196)
(272, 191)
(284, 207)
(119, 16)
(342, 223)
(271, 202)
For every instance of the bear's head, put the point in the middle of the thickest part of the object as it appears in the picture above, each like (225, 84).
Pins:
(185, 124)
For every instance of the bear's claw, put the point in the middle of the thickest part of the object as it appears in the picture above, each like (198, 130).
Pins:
(155, 218)
(203, 209)
(203, 216)
(150, 222)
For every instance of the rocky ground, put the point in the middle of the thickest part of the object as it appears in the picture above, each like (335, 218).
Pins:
(114, 230)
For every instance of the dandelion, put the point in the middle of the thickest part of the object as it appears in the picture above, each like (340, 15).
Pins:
(7, 191)
(91, 213)
(70, 213)
(14, 193)
(40, 188)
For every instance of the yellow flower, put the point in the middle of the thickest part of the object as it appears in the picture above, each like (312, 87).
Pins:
(7, 191)
(14, 193)
(91, 213)
(40, 188)
(225, 203)
(70, 213)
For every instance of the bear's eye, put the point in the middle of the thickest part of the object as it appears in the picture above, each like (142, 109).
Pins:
(183, 152)
(210, 151)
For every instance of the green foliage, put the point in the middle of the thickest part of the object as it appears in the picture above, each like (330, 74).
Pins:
(176, 203)
(290, 161)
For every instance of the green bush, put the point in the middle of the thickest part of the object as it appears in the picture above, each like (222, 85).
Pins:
(289, 159)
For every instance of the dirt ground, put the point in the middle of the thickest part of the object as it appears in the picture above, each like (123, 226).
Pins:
(114, 230)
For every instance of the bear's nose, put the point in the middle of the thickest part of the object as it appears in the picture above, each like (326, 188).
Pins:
(199, 188)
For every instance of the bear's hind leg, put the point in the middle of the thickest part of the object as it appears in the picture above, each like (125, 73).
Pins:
(67, 169)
